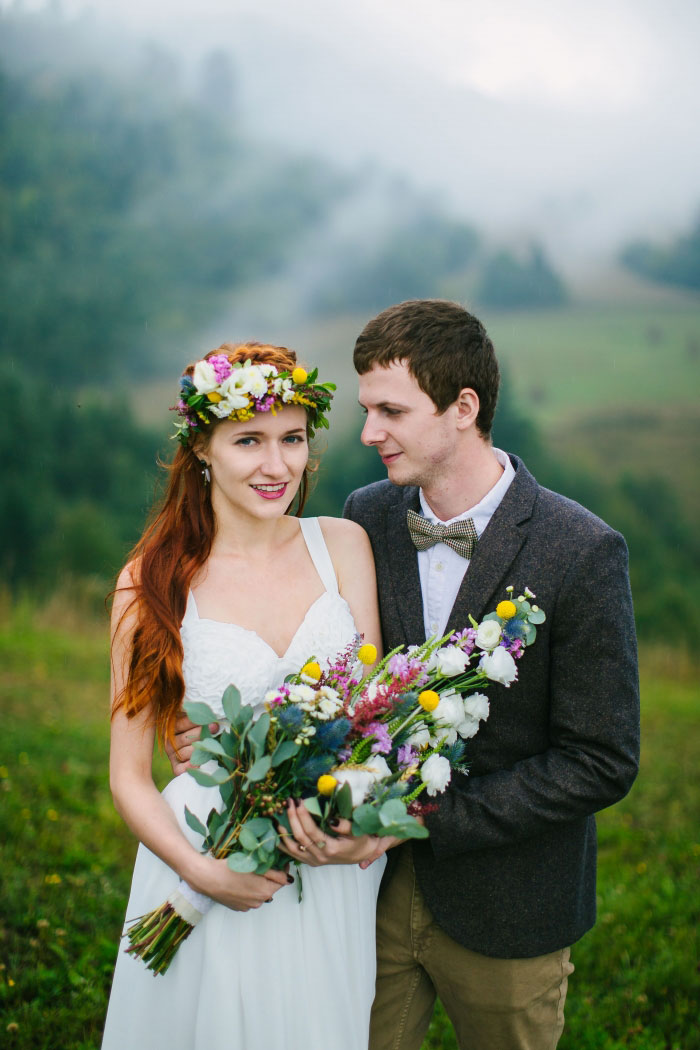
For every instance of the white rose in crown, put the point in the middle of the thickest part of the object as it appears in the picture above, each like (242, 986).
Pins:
(499, 666)
(204, 377)
(435, 774)
(488, 634)
(451, 661)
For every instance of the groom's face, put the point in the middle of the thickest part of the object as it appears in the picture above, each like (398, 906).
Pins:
(415, 443)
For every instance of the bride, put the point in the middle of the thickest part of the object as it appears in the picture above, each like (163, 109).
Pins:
(226, 586)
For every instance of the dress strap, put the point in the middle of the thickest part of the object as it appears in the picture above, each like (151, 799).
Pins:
(316, 546)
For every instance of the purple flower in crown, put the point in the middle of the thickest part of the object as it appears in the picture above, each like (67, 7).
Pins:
(222, 367)
(406, 755)
(264, 404)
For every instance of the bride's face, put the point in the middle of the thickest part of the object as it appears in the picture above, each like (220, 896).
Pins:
(257, 466)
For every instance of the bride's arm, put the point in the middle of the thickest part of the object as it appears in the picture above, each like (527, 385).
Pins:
(138, 800)
(349, 547)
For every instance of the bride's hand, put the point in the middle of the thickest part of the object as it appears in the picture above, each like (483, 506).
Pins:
(185, 735)
(310, 845)
(238, 892)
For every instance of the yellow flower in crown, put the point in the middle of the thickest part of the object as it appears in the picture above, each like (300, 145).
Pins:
(217, 389)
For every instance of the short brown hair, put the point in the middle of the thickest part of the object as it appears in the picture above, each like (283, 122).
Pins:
(445, 348)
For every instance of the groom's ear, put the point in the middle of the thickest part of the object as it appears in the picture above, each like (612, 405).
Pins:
(466, 408)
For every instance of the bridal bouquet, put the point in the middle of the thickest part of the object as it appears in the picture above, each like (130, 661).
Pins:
(362, 748)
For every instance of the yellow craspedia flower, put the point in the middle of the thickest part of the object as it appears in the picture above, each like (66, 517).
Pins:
(326, 784)
(506, 610)
(367, 653)
(213, 396)
(299, 376)
(312, 670)
(428, 699)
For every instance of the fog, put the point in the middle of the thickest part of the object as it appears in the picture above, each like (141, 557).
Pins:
(572, 122)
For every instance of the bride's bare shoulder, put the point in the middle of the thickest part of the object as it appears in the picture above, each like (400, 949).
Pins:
(344, 539)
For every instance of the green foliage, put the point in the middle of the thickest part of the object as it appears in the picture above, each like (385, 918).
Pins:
(510, 283)
(127, 217)
(409, 262)
(677, 263)
(76, 484)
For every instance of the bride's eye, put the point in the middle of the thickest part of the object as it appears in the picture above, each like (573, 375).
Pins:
(246, 442)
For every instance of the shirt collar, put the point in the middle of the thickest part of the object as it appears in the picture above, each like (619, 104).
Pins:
(482, 513)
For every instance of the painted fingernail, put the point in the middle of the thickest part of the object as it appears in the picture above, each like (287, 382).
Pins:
(334, 823)
(290, 878)
(268, 901)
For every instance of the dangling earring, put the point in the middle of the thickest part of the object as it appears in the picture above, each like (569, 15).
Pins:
(206, 473)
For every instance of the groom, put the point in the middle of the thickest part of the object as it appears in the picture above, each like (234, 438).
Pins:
(482, 913)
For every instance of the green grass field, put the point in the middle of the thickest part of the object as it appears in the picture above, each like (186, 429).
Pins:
(67, 858)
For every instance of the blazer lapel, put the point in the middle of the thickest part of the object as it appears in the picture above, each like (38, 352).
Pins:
(496, 550)
(403, 562)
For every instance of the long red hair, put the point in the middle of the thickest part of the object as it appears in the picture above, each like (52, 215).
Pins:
(174, 546)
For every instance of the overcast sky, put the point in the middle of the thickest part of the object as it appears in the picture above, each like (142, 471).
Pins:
(521, 114)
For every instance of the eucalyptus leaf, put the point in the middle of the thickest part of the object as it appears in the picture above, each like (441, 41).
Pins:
(231, 702)
(243, 863)
(258, 734)
(199, 713)
(248, 839)
(366, 818)
(491, 616)
(392, 812)
(259, 770)
(284, 750)
(343, 801)
(259, 826)
(205, 779)
(195, 823)
(312, 804)
(529, 633)
(536, 616)
(212, 746)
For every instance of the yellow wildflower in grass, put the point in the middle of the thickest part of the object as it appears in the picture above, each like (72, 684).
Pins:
(311, 670)
(299, 376)
(326, 784)
(506, 610)
(367, 654)
(51, 814)
(4, 772)
(52, 880)
(214, 396)
(12, 1027)
(428, 699)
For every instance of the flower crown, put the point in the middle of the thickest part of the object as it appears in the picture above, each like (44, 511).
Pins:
(218, 389)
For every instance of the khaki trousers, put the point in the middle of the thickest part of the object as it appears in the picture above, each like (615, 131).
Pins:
(493, 1004)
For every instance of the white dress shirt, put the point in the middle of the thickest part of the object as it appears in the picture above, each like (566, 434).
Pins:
(442, 569)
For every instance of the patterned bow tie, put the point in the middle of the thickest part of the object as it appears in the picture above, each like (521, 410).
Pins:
(460, 535)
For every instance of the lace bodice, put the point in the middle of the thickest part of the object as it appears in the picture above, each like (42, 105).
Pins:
(217, 654)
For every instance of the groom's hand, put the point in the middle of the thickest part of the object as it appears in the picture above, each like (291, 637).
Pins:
(186, 733)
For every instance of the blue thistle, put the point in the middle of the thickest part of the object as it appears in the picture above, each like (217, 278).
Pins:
(331, 735)
(290, 719)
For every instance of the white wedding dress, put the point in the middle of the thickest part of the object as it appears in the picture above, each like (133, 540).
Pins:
(285, 976)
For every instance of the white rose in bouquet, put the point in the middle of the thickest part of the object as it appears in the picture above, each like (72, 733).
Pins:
(468, 728)
(477, 706)
(378, 767)
(419, 737)
(488, 634)
(499, 666)
(451, 661)
(450, 710)
(360, 781)
(435, 773)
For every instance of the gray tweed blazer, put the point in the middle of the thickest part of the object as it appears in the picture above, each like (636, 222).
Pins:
(509, 868)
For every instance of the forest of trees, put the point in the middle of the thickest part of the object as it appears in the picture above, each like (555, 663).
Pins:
(126, 217)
